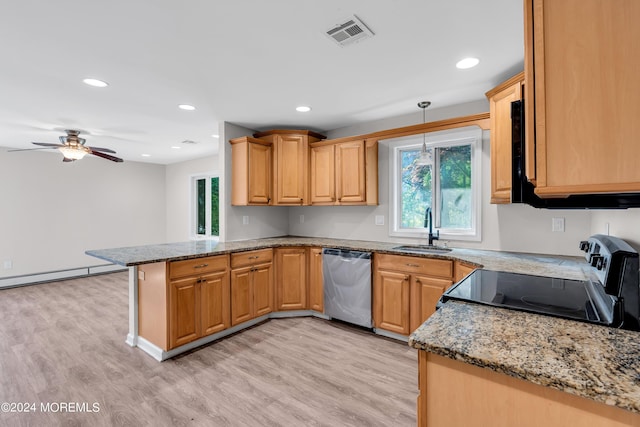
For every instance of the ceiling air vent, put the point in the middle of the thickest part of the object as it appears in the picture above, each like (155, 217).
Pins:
(352, 30)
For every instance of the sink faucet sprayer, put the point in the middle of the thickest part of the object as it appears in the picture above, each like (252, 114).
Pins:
(428, 219)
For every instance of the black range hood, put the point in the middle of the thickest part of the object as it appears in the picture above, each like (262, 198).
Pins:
(522, 191)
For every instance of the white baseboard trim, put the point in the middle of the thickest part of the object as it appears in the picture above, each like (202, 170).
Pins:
(52, 276)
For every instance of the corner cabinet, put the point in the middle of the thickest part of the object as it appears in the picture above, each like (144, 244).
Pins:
(344, 172)
(582, 61)
(316, 283)
(251, 285)
(291, 278)
(406, 290)
(251, 168)
(182, 301)
(500, 99)
(290, 177)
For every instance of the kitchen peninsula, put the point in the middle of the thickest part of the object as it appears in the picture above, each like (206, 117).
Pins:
(571, 359)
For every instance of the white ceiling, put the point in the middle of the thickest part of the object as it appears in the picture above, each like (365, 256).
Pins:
(249, 62)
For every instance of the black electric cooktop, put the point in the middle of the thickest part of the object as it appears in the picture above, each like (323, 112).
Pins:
(571, 299)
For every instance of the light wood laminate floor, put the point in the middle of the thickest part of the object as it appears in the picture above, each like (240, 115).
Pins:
(64, 342)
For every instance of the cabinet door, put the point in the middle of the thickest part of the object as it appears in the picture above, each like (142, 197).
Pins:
(585, 72)
(350, 172)
(316, 288)
(262, 289)
(184, 318)
(291, 179)
(391, 301)
(241, 295)
(259, 174)
(323, 184)
(426, 291)
(214, 302)
(291, 279)
(501, 153)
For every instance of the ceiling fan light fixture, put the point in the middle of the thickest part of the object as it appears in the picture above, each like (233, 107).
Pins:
(95, 82)
(303, 109)
(73, 153)
(186, 107)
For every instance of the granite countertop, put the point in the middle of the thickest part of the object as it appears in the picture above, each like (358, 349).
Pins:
(542, 265)
(587, 360)
(596, 362)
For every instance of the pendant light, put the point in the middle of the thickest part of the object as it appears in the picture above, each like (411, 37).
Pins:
(425, 157)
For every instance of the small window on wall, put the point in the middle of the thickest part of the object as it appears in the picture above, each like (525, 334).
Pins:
(206, 207)
(448, 183)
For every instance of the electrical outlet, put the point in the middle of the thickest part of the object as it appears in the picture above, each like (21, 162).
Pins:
(245, 219)
(557, 224)
(301, 219)
(379, 219)
(606, 228)
(8, 264)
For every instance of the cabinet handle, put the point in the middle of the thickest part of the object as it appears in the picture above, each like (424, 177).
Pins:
(418, 282)
(413, 265)
(406, 277)
(201, 266)
(254, 257)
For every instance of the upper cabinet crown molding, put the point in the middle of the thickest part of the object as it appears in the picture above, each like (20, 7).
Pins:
(303, 132)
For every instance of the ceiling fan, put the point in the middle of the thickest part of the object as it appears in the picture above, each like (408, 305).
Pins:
(72, 148)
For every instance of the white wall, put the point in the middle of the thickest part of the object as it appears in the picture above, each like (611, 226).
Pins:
(621, 223)
(51, 212)
(178, 194)
(504, 227)
(264, 221)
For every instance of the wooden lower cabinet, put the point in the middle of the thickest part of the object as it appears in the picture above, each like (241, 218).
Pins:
(181, 301)
(391, 301)
(291, 278)
(316, 283)
(406, 290)
(454, 393)
(251, 285)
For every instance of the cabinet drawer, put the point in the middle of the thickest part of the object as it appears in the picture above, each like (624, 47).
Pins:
(198, 266)
(253, 257)
(427, 266)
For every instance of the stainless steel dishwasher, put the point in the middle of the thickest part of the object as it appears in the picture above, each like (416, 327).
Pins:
(347, 285)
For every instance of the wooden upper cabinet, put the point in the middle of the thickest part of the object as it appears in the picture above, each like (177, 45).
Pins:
(582, 62)
(344, 173)
(350, 172)
(323, 173)
(500, 99)
(251, 166)
(290, 178)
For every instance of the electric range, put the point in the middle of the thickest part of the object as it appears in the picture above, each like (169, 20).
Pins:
(610, 296)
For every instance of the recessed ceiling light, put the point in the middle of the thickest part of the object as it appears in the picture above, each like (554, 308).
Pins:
(465, 63)
(215, 135)
(303, 109)
(146, 155)
(186, 107)
(95, 82)
(175, 147)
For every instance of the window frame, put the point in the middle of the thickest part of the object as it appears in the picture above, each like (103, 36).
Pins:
(193, 206)
(472, 136)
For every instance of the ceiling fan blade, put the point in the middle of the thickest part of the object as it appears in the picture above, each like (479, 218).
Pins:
(31, 149)
(46, 144)
(104, 150)
(106, 156)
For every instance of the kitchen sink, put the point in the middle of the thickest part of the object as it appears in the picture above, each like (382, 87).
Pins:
(424, 249)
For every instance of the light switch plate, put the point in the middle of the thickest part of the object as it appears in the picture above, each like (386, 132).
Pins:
(8, 264)
(379, 219)
(301, 219)
(245, 219)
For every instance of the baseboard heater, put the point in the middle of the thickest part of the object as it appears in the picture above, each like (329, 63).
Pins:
(52, 276)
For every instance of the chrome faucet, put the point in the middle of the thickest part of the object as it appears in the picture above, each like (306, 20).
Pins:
(428, 219)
